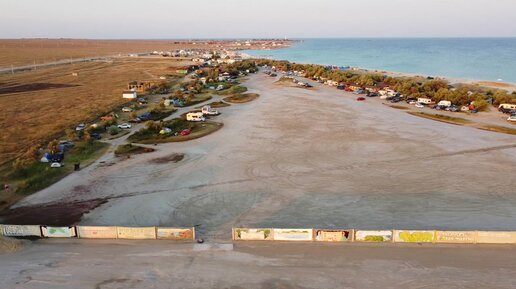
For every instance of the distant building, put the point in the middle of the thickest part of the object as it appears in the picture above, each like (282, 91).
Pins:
(140, 86)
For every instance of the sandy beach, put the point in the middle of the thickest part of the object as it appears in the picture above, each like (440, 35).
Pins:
(307, 158)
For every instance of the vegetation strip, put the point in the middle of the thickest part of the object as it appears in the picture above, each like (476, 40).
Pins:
(441, 118)
(241, 98)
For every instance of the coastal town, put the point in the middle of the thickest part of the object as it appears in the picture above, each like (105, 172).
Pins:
(164, 151)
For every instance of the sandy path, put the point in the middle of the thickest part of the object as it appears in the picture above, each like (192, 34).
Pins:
(159, 264)
(310, 158)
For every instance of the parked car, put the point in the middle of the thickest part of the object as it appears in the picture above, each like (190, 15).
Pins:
(145, 116)
(412, 102)
(340, 87)
(454, 108)
(372, 94)
(359, 91)
(80, 127)
(135, 120)
(55, 165)
(127, 109)
(95, 135)
(360, 98)
(512, 118)
(395, 99)
(419, 105)
(124, 126)
(185, 132)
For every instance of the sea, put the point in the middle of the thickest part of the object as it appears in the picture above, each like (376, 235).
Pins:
(491, 59)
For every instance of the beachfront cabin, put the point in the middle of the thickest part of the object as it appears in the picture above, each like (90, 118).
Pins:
(130, 94)
(424, 100)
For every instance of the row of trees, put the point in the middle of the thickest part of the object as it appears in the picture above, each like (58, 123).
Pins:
(436, 89)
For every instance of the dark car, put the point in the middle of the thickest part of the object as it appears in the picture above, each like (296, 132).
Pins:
(96, 136)
(395, 99)
(273, 74)
(145, 116)
(454, 108)
(372, 94)
(340, 87)
(135, 120)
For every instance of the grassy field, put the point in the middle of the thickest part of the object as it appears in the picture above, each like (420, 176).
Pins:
(29, 51)
(35, 114)
(442, 118)
(236, 89)
(41, 175)
(241, 97)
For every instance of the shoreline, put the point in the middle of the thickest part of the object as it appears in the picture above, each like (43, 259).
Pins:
(486, 83)
(490, 84)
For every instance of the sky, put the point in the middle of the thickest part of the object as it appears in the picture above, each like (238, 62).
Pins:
(162, 19)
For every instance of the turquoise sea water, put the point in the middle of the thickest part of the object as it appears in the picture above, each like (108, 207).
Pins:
(467, 58)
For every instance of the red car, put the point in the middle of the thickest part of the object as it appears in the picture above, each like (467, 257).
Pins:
(185, 132)
(360, 99)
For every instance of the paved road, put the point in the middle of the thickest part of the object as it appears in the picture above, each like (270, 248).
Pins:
(103, 264)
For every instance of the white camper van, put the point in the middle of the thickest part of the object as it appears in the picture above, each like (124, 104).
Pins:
(506, 106)
(209, 111)
(445, 103)
(195, 116)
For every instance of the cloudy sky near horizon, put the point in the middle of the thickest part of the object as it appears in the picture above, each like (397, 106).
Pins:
(132, 19)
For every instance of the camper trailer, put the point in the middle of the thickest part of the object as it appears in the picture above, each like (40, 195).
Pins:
(423, 100)
(195, 116)
(209, 111)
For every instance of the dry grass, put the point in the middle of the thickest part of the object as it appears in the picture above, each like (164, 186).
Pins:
(441, 118)
(496, 128)
(399, 107)
(19, 52)
(33, 117)
(493, 84)
(9, 245)
(173, 158)
(241, 98)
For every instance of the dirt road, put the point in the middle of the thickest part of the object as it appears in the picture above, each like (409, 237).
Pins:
(56, 264)
(309, 158)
